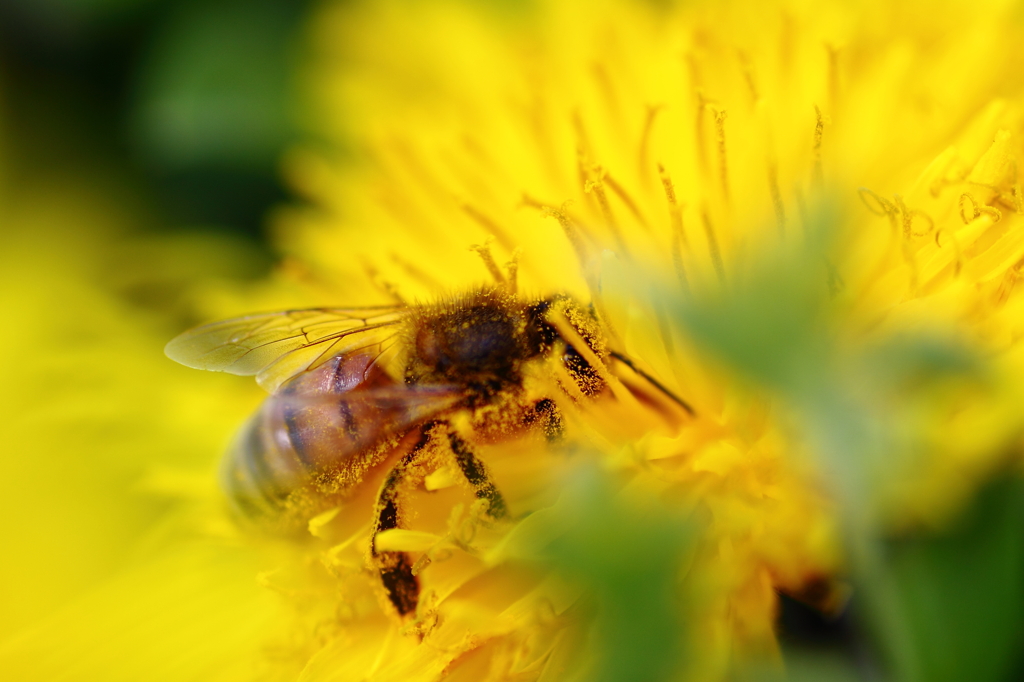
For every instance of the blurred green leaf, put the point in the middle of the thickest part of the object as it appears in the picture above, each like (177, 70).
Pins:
(60, 16)
(99, 7)
(768, 324)
(943, 608)
(630, 559)
(214, 90)
(770, 319)
(916, 360)
(819, 666)
(963, 591)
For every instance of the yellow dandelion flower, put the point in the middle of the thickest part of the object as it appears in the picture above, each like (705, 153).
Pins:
(803, 190)
(758, 271)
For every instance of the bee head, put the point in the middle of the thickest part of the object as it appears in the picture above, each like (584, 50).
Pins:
(476, 341)
(481, 341)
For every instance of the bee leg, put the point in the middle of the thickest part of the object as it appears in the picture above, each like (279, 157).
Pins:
(476, 473)
(400, 583)
(547, 413)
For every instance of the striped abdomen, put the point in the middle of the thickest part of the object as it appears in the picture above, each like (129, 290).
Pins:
(321, 421)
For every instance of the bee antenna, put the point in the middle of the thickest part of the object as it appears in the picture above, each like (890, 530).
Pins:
(624, 359)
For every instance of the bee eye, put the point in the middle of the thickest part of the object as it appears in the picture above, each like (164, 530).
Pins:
(427, 346)
(576, 363)
(573, 360)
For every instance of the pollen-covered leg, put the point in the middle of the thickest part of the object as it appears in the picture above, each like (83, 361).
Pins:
(476, 473)
(396, 568)
(547, 415)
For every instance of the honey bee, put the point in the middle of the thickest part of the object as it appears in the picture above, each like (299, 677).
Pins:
(349, 384)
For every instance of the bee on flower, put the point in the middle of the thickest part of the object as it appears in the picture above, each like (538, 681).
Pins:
(636, 166)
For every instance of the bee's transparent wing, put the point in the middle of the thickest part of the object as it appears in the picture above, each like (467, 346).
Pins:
(362, 416)
(276, 346)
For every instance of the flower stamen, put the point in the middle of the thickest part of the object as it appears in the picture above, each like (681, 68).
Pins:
(386, 287)
(964, 198)
(512, 268)
(679, 239)
(415, 272)
(624, 197)
(702, 154)
(723, 168)
(819, 131)
(645, 140)
(572, 232)
(977, 209)
(582, 147)
(484, 251)
(490, 225)
(713, 249)
(773, 189)
(959, 260)
(883, 206)
(833, 76)
(908, 219)
(801, 207)
(607, 89)
(834, 279)
(1010, 279)
(596, 187)
(746, 64)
